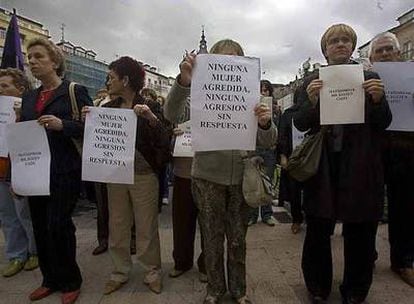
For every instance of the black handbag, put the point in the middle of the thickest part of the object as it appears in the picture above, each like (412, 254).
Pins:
(304, 161)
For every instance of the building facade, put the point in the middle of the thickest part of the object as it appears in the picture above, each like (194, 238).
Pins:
(28, 29)
(160, 83)
(83, 68)
(405, 34)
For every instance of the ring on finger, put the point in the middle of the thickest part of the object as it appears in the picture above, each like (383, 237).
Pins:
(46, 125)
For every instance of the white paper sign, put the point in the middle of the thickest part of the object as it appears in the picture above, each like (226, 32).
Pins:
(398, 78)
(268, 101)
(109, 146)
(30, 158)
(297, 136)
(342, 97)
(7, 116)
(224, 92)
(183, 147)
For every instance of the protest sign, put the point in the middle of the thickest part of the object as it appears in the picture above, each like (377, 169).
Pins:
(398, 79)
(7, 116)
(297, 136)
(109, 146)
(342, 97)
(268, 101)
(224, 92)
(183, 147)
(30, 158)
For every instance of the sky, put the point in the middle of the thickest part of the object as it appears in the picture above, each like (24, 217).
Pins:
(282, 33)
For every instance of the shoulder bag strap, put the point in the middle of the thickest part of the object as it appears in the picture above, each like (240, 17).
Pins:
(73, 102)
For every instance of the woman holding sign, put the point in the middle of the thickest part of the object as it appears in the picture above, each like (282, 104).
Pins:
(14, 210)
(54, 230)
(349, 184)
(217, 179)
(137, 202)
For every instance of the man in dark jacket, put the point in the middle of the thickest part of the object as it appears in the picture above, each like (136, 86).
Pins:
(399, 174)
(349, 183)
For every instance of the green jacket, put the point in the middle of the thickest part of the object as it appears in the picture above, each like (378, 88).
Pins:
(221, 167)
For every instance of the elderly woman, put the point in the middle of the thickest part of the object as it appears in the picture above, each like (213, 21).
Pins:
(217, 179)
(137, 201)
(349, 183)
(14, 211)
(53, 228)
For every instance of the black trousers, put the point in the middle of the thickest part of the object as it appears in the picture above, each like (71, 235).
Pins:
(163, 186)
(54, 233)
(291, 190)
(400, 176)
(184, 213)
(102, 213)
(359, 247)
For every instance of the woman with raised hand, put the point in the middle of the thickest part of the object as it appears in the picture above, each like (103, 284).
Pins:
(217, 179)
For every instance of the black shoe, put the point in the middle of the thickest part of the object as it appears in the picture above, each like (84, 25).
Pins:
(351, 300)
(100, 249)
(175, 273)
(317, 299)
(347, 299)
(133, 250)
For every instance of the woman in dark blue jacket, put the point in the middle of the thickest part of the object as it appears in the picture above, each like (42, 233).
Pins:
(53, 227)
(349, 184)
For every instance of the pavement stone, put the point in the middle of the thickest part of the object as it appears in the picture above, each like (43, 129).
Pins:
(273, 269)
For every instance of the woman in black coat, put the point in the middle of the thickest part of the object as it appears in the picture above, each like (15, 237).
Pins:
(53, 228)
(349, 184)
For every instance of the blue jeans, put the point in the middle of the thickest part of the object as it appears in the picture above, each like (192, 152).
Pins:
(16, 224)
(269, 157)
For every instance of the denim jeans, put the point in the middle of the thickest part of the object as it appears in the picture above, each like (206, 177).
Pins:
(16, 224)
(269, 158)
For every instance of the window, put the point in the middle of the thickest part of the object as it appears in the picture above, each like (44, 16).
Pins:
(407, 50)
(2, 33)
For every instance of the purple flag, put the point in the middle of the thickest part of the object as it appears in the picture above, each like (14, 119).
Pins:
(12, 53)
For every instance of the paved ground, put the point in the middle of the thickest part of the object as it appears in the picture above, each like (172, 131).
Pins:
(273, 270)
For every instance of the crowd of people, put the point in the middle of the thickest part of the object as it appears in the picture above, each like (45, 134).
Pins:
(358, 162)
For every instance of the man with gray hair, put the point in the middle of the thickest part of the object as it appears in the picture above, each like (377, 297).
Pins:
(384, 47)
(399, 174)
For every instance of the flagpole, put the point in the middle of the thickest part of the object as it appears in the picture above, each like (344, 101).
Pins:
(16, 58)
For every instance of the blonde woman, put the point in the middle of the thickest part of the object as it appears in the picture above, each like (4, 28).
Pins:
(349, 184)
(53, 227)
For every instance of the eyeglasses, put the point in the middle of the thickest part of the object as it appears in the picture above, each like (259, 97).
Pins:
(336, 40)
(387, 49)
